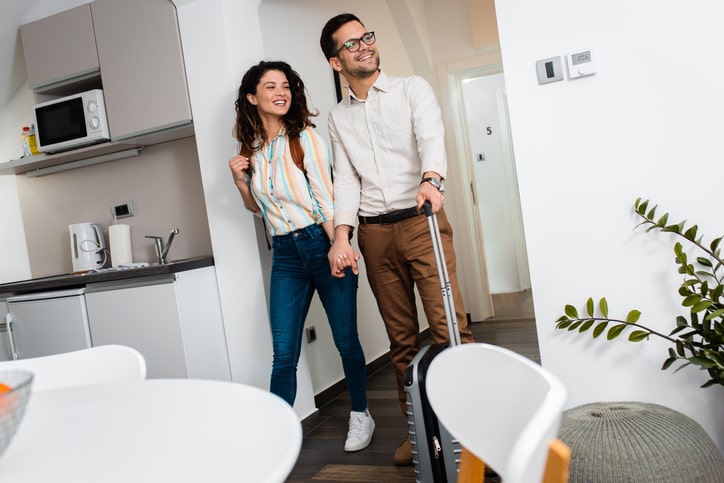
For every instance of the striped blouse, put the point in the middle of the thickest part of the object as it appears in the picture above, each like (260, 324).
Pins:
(288, 199)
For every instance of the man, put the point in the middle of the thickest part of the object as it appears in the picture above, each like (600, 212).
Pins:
(389, 157)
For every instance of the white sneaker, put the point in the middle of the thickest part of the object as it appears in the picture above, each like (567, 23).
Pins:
(361, 427)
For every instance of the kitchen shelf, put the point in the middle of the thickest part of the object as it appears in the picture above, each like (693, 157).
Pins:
(100, 152)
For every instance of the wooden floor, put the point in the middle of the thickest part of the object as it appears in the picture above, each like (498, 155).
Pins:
(323, 459)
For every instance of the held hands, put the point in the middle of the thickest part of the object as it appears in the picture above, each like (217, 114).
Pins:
(341, 256)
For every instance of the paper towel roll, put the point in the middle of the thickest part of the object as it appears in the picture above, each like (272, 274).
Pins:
(120, 235)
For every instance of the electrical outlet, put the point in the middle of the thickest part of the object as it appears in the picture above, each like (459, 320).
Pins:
(123, 210)
(311, 334)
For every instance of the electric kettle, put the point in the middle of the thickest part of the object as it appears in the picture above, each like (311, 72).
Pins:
(87, 246)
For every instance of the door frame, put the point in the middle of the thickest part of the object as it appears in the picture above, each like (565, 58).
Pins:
(472, 265)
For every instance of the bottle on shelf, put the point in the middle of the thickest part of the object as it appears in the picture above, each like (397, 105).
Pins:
(24, 137)
(29, 140)
(33, 141)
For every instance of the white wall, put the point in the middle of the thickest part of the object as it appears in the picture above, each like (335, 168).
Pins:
(14, 260)
(647, 124)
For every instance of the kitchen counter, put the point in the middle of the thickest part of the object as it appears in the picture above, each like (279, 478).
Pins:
(79, 280)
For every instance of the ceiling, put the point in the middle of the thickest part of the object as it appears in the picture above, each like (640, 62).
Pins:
(14, 13)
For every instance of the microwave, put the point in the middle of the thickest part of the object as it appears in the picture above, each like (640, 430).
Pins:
(71, 122)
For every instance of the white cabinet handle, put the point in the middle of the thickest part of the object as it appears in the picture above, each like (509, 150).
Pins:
(11, 338)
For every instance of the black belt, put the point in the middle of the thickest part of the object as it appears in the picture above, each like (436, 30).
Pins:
(387, 218)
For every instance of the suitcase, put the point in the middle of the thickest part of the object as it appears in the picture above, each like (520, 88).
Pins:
(435, 454)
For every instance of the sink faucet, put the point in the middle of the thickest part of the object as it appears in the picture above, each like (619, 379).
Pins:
(161, 249)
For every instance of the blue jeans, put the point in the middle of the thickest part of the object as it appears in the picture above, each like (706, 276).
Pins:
(299, 266)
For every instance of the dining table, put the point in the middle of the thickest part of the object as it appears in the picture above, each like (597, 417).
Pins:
(154, 430)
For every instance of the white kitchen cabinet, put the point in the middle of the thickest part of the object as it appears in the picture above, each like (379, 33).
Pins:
(60, 47)
(173, 320)
(142, 68)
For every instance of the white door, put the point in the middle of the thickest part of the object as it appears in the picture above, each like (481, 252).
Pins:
(492, 164)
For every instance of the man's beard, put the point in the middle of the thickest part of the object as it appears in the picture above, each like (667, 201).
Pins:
(363, 72)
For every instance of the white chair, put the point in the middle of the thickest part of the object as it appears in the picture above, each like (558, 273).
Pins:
(504, 409)
(106, 363)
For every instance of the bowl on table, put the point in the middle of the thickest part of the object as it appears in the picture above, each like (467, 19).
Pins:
(14, 394)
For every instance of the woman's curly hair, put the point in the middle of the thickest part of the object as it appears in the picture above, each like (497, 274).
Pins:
(249, 129)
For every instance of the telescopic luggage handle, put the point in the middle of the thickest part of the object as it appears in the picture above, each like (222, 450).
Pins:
(447, 296)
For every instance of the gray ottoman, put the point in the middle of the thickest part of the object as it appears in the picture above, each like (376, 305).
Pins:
(638, 442)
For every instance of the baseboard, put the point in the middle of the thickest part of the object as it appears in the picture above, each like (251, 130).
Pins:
(335, 390)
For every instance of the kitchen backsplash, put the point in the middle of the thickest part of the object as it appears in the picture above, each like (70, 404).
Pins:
(163, 182)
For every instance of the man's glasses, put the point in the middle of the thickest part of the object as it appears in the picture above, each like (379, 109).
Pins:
(353, 45)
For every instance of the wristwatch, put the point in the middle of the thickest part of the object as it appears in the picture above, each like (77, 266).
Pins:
(435, 182)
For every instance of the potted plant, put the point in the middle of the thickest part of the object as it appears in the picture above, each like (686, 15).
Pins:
(697, 339)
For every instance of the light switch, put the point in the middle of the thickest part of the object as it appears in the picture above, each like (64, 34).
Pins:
(549, 70)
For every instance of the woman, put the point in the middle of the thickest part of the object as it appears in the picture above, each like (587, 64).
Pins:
(283, 172)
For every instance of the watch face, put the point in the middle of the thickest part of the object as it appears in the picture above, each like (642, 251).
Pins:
(435, 182)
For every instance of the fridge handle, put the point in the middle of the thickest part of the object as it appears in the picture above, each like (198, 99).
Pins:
(11, 338)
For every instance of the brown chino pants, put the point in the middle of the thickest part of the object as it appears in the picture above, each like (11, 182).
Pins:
(398, 257)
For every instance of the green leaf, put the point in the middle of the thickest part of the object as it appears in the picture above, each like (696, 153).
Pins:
(682, 321)
(633, 316)
(680, 348)
(603, 307)
(585, 326)
(574, 325)
(681, 367)
(599, 329)
(563, 324)
(690, 234)
(715, 314)
(704, 261)
(703, 305)
(571, 311)
(663, 220)
(667, 363)
(715, 244)
(641, 207)
(638, 335)
(691, 300)
(702, 362)
(652, 213)
(615, 331)
(589, 306)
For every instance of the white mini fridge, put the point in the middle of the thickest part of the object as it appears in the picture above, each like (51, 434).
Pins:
(47, 323)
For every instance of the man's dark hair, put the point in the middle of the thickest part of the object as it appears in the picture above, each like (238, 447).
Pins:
(326, 40)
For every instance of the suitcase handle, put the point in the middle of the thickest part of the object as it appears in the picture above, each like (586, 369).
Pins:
(445, 288)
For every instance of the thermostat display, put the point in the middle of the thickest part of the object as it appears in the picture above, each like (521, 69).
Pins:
(581, 57)
(581, 63)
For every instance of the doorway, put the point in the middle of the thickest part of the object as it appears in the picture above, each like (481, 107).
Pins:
(485, 139)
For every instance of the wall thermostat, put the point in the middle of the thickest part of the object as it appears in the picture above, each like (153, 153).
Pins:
(581, 63)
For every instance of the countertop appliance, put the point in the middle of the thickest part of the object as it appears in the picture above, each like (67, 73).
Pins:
(71, 122)
(46, 323)
(87, 246)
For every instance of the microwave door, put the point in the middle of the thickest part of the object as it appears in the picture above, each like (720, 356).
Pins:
(61, 122)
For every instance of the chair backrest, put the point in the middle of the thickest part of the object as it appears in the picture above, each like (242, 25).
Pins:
(502, 407)
(106, 363)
